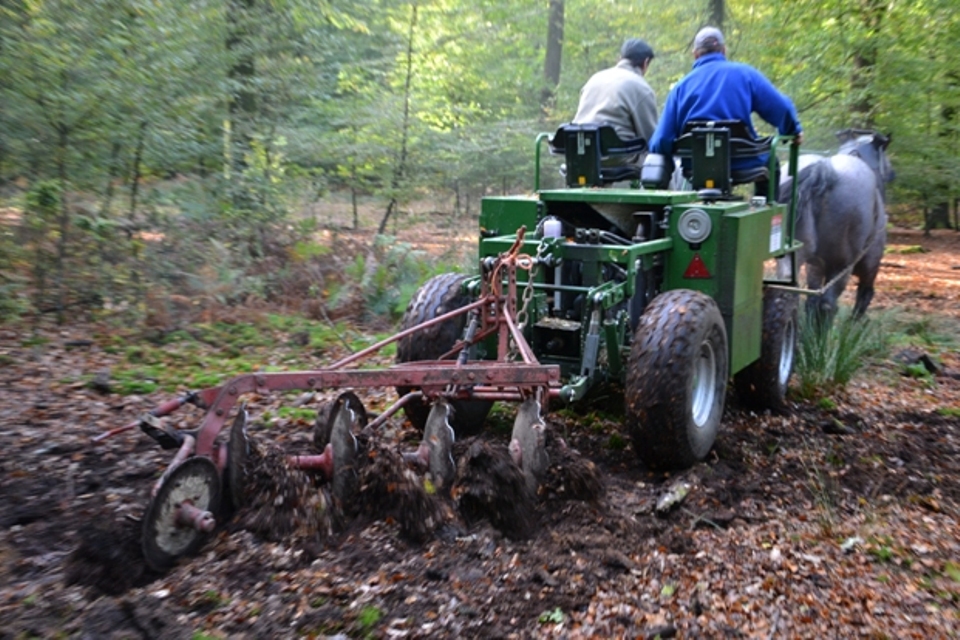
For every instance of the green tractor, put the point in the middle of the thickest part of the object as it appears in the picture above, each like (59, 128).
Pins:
(660, 292)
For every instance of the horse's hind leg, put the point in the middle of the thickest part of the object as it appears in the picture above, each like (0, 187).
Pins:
(822, 307)
(866, 272)
(864, 296)
(865, 279)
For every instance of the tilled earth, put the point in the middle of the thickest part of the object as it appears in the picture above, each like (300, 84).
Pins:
(828, 522)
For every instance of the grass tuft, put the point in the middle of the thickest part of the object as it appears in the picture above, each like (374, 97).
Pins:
(828, 356)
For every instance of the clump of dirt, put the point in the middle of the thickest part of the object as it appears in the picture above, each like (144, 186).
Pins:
(570, 475)
(389, 490)
(489, 486)
(280, 501)
(108, 558)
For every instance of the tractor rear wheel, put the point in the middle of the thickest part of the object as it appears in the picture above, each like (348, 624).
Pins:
(439, 295)
(677, 379)
(763, 384)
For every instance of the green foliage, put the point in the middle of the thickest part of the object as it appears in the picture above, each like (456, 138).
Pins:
(829, 356)
(616, 442)
(368, 617)
(554, 616)
(13, 301)
(907, 250)
(827, 404)
(917, 370)
(385, 278)
(252, 111)
(297, 413)
(926, 332)
(823, 489)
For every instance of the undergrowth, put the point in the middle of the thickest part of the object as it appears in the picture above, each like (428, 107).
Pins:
(830, 354)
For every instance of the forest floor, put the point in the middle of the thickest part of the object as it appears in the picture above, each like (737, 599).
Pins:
(837, 520)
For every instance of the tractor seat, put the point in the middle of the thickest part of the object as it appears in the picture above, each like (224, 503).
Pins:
(586, 146)
(707, 147)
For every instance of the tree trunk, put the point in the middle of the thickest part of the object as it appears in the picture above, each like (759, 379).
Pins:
(552, 61)
(135, 169)
(113, 169)
(353, 206)
(242, 100)
(63, 139)
(717, 9)
(400, 168)
(864, 64)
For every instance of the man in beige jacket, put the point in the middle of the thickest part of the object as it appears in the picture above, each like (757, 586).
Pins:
(621, 97)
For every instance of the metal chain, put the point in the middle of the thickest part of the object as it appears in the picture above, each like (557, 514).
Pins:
(523, 314)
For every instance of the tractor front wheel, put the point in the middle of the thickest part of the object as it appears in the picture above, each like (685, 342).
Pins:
(676, 379)
(763, 384)
(439, 295)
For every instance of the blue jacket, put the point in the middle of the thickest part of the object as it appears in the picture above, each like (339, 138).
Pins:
(717, 89)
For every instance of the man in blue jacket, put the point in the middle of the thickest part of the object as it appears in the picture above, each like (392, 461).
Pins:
(717, 89)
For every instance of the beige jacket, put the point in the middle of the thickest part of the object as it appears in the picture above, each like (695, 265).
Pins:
(621, 97)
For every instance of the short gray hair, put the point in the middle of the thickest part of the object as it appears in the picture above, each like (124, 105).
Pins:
(708, 40)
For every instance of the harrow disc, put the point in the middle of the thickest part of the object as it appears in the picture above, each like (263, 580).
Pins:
(345, 418)
(166, 538)
(238, 448)
(438, 435)
(528, 443)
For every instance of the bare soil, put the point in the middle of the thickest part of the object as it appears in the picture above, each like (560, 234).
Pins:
(828, 522)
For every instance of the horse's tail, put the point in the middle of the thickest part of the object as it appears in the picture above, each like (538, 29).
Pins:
(814, 182)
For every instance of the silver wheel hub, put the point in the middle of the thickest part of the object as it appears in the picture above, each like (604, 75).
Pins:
(704, 385)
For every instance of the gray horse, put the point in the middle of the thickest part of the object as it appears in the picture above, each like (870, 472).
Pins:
(841, 218)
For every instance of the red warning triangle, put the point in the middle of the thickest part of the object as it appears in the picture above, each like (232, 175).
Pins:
(696, 268)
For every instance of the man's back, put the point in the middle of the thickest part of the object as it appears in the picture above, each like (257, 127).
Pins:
(621, 97)
(717, 89)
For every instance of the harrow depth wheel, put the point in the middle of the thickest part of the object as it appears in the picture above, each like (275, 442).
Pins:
(181, 513)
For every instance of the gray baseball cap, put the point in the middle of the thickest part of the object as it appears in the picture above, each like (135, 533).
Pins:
(708, 38)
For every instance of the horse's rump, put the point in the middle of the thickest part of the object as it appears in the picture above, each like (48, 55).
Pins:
(841, 221)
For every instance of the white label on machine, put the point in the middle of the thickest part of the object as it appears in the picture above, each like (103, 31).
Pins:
(776, 233)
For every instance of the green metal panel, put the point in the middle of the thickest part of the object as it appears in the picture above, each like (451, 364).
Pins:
(746, 240)
(504, 215)
(652, 197)
(679, 261)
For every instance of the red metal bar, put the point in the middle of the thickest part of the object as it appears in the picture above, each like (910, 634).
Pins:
(493, 380)
(415, 374)
(522, 345)
(406, 332)
(185, 451)
(392, 409)
(164, 409)
(323, 462)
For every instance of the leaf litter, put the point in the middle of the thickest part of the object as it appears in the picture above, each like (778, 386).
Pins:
(756, 549)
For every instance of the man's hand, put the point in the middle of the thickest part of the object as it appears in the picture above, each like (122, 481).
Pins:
(798, 140)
